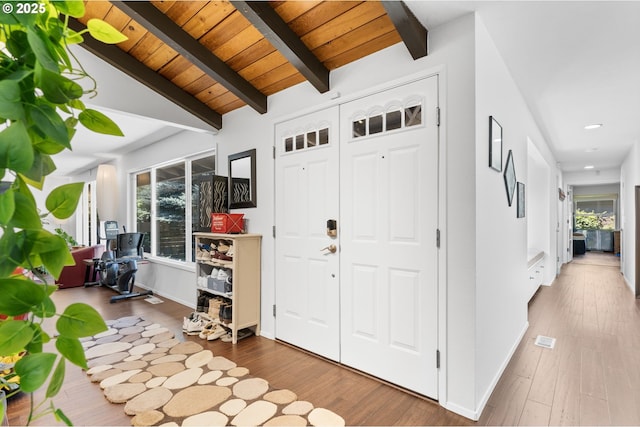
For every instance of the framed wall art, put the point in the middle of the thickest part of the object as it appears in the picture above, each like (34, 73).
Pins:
(510, 177)
(220, 194)
(521, 201)
(495, 144)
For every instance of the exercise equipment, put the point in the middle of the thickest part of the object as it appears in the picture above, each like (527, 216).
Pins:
(117, 269)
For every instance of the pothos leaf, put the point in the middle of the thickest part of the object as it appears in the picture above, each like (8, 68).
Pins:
(105, 32)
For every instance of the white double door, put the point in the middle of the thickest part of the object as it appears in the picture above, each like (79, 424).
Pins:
(370, 165)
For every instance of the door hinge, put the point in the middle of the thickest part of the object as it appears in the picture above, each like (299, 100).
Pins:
(438, 116)
(437, 359)
(438, 238)
(273, 231)
(274, 310)
(274, 151)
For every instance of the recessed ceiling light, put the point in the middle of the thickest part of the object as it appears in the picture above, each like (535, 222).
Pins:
(591, 150)
(589, 167)
(593, 126)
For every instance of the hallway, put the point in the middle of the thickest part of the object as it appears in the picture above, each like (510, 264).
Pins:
(592, 376)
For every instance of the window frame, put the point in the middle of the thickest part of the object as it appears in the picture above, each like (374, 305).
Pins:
(131, 205)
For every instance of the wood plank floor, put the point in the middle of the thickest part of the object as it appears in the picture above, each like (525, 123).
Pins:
(591, 377)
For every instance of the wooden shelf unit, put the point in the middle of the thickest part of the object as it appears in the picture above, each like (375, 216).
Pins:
(245, 268)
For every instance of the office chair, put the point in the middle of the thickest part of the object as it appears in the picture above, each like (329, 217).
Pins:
(118, 271)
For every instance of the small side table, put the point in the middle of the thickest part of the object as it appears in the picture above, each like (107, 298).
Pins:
(89, 271)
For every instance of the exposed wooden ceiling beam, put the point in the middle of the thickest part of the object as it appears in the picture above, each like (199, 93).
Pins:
(273, 28)
(413, 33)
(160, 25)
(135, 69)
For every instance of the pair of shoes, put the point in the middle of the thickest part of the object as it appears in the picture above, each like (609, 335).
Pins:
(200, 307)
(221, 258)
(214, 309)
(223, 247)
(212, 331)
(202, 252)
(193, 325)
(225, 313)
(186, 320)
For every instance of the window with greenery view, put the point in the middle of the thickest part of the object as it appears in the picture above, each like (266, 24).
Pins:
(595, 215)
(165, 211)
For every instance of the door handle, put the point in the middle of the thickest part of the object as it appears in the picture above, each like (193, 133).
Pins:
(330, 248)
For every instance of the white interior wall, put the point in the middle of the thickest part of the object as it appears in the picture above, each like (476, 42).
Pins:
(537, 191)
(629, 179)
(501, 242)
(592, 177)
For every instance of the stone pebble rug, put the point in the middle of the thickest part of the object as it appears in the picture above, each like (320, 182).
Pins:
(161, 380)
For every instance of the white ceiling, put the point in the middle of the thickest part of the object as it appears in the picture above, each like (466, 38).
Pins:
(575, 62)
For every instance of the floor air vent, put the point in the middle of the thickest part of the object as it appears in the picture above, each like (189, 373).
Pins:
(546, 342)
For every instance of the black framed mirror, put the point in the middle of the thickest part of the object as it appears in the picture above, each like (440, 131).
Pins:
(242, 180)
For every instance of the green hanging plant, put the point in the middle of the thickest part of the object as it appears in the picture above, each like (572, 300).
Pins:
(40, 108)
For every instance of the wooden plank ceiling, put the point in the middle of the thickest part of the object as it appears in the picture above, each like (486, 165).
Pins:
(212, 57)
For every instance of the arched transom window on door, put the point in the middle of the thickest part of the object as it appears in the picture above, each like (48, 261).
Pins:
(393, 116)
(314, 136)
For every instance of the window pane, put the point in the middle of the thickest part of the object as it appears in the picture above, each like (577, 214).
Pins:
(202, 171)
(143, 208)
(359, 128)
(324, 136)
(170, 208)
(288, 144)
(299, 142)
(311, 139)
(375, 124)
(394, 120)
(413, 115)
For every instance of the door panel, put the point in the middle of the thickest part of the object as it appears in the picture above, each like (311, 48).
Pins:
(307, 278)
(389, 213)
(372, 165)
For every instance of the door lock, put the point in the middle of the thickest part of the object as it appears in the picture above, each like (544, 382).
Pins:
(332, 228)
(330, 248)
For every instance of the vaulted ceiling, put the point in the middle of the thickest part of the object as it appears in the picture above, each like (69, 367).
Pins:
(212, 57)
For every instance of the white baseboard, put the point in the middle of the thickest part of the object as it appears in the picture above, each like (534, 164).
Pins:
(189, 304)
(460, 410)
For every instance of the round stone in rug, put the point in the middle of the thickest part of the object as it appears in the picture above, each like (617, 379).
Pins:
(251, 388)
(286, 420)
(183, 379)
(196, 399)
(121, 393)
(187, 347)
(151, 399)
(255, 414)
(166, 369)
(148, 418)
(323, 417)
(210, 418)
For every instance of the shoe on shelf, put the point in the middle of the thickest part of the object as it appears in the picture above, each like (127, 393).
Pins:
(202, 252)
(226, 311)
(230, 252)
(223, 247)
(221, 258)
(222, 275)
(200, 307)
